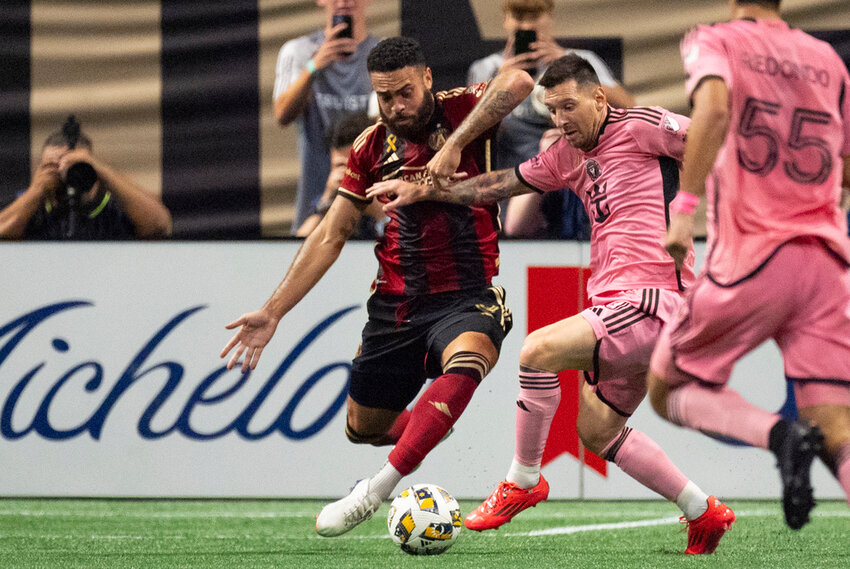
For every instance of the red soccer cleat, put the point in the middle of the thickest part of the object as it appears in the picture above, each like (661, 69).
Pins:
(504, 503)
(704, 533)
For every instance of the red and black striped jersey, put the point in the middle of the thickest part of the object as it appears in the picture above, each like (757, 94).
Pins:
(428, 247)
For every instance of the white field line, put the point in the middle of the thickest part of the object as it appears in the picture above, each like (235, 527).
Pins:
(594, 527)
(566, 530)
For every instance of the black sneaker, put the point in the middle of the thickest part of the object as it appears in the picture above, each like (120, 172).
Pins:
(795, 452)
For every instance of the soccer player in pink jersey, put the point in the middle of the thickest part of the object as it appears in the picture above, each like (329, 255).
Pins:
(769, 145)
(624, 165)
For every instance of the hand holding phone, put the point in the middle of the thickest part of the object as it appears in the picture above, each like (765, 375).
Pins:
(343, 19)
(347, 32)
(523, 40)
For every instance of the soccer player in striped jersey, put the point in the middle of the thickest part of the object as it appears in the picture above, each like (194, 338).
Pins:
(433, 312)
(623, 164)
(769, 146)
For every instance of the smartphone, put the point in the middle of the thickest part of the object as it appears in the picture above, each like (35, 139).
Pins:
(343, 19)
(523, 40)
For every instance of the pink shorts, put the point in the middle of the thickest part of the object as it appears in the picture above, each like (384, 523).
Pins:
(627, 326)
(800, 298)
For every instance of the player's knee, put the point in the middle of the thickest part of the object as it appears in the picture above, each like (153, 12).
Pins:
(592, 439)
(535, 351)
(360, 438)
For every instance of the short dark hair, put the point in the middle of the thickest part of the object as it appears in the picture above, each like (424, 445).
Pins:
(395, 53)
(769, 4)
(347, 130)
(570, 66)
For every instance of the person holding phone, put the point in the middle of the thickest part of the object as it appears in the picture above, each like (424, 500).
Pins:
(320, 79)
(531, 46)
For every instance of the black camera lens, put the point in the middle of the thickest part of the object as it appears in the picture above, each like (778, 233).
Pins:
(81, 176)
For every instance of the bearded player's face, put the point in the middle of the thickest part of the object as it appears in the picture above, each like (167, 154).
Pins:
(405, 100)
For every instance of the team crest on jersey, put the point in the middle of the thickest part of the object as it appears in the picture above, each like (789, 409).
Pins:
(593, 169)
(438, 138)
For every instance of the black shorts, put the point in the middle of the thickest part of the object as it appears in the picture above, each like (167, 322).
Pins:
(405, 336)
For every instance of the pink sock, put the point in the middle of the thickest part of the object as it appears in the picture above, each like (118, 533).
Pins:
(641, 458)
(433, 415)
(842, 468)
(720, 411)
(539, 396)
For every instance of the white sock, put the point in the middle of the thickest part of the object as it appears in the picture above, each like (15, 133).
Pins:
(522, 475)
(385, 481)
(692, 501)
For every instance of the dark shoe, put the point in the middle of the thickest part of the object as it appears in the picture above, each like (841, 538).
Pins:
(795, 452)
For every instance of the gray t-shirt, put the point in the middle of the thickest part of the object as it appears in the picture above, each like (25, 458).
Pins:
(341, 88)
(519, 135)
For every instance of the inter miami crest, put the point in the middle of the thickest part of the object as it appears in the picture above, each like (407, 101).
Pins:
(593, 170)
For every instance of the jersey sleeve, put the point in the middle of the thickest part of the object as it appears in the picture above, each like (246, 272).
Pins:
(704, 56)
(541, 173)
(664, 138)
(458, 103)
(357, 178)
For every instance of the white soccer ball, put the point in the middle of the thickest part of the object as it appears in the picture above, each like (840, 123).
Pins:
(424, 520)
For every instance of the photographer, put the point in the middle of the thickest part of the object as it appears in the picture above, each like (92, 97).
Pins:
(106, 205)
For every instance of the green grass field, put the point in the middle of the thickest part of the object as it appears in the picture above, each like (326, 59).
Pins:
(56, 534)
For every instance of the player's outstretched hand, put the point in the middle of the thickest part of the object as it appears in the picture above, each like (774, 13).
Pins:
(680, 236)
(398, 192)
(255, 331)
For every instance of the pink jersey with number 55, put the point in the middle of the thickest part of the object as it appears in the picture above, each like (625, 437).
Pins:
(778, 174)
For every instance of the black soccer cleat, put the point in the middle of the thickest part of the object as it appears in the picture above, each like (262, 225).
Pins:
(794, 455)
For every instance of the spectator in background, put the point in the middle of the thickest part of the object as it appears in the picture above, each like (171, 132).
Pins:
(110, 205)
(520, 133)
(559, 214)
(320, 78)
(345, 133)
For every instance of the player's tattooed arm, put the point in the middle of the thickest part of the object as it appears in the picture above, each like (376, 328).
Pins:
(504, 92)
(507, 90)
(484, 189)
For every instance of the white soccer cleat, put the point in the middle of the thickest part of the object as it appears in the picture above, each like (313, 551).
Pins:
(347, 513)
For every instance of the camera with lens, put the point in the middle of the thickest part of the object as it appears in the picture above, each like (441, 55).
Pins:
(78, 179)
(80, 176)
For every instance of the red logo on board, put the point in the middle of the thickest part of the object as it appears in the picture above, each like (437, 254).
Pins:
(555, 293)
